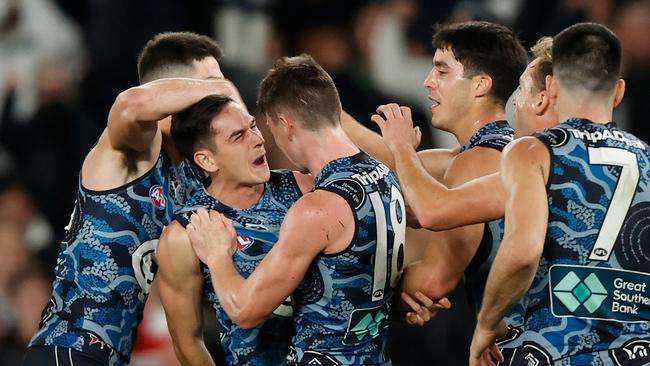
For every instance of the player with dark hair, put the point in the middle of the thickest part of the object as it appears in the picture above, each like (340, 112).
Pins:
(575, 247)
(475, 69)
(130, 183)
(224, 141)
(340, 248)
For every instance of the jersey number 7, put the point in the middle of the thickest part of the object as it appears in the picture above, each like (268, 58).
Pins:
(621, 199)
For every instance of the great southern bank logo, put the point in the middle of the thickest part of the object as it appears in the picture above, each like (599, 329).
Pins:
(573, 292)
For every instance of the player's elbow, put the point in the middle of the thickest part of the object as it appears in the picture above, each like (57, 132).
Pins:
(526, 256)
(430, 282)
(130, 103)
(433, 220)
(245, 314)
(245, 319)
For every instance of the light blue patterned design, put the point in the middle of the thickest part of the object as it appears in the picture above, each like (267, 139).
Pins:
(107, 261)
(257, 228)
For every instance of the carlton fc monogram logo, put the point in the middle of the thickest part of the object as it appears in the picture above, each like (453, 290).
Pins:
(157, 195)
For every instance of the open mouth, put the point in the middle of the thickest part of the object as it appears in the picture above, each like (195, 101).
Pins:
(261, 161)
(435, 103)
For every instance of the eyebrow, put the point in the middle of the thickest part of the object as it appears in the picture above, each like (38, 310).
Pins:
(440, 64)
(240, 131)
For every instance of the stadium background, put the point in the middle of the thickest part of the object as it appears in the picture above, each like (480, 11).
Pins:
(62, 62)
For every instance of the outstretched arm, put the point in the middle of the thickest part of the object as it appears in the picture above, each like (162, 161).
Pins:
(436, 206)
(180, 282)
(525, 167)
(133, 118)
(323, 217)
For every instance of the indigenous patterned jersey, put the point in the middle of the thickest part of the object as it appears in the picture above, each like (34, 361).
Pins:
(258, 228)
(344, 301)
(495, 135)
(107, 260)
(589, 303)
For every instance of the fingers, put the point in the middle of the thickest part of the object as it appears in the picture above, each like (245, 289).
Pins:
(405, 112)
(378, 119)
(444, 303)
(228, 224)
(387, 111)
(496, 353)
(424, 300)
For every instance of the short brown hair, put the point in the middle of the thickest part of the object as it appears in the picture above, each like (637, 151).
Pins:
(300, 85)
(542, 50)
(168, 51)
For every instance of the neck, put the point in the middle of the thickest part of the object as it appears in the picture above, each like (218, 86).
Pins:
(597, 109)
(476, 119)
(324, 146)
(235, 194)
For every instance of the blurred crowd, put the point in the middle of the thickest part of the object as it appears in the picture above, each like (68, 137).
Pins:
(62, 63)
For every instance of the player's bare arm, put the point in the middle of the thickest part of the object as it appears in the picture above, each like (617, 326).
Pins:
(180, 282)
(445, 259)
(436, 206)
(525, 168)
(131, 143)
(435, 161)
(322, 217)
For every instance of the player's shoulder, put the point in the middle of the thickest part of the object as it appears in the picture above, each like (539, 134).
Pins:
(470, 164)
(319, 205)
(527, 148)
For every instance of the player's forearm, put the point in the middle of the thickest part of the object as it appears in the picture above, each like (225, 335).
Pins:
(423, 193)
(192, 351)
(511, 275)
(234, 292)
(158, 99)
(367, 140)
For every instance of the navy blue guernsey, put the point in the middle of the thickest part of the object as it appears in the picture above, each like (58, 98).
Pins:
(344, 301)
(589, 303)
(495, 135)
(257, 228)
(107, 260)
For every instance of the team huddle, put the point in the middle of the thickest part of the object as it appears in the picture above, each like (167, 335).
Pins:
(544, 222)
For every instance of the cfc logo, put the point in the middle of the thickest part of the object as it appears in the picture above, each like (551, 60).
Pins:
(157, 195)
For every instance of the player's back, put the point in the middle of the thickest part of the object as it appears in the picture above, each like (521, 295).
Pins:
(344, 301)
(257, 230)
(107, 262)
(589, 302)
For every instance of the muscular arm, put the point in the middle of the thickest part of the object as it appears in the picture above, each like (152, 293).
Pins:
(435, 160)
(450, 252)
(436, 206)
(133, 118)
(525, 167)
(323, 217)
(180, 282)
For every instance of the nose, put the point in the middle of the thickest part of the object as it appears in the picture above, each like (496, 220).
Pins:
(429, 82)
(257, 137)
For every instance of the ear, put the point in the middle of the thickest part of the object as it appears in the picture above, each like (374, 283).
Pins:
(205, 160)
(542, 102)
(482, 85)
(551, 86)
(620, 92)
(288, 124)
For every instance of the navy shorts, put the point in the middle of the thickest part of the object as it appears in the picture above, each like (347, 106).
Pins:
(61, 356)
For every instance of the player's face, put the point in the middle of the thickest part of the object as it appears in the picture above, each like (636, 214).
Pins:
(207, 68)
(240, 153)
(448, 89)
(281, 139)
(526, 101)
